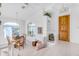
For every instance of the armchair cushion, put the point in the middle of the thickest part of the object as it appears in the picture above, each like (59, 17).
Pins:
(40, 45)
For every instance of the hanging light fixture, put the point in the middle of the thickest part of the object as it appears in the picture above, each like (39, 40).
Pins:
(26, 3)
(0, 22)
(0, 7)
(0, 14)
(16, 15)
(0, 4)
(24, 6)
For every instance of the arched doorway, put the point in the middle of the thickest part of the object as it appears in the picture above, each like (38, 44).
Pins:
(11, 29)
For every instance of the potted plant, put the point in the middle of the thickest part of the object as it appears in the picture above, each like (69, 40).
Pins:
(48, 14)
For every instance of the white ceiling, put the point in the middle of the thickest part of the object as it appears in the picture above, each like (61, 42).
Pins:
(10, 9)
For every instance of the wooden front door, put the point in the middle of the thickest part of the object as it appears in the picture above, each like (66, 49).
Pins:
(64, 27)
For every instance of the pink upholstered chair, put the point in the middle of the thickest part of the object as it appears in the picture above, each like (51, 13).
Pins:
(40, 45)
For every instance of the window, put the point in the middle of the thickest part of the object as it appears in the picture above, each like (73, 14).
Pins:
(31, 29)
(11, 29)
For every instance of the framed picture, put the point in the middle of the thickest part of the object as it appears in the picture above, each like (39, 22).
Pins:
(40, 30)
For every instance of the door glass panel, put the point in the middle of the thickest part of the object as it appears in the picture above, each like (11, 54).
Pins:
(11, 30)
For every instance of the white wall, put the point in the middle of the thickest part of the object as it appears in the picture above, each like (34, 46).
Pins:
(74, 29)
(39, 20)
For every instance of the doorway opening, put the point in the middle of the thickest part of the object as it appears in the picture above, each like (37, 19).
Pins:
(11, 29)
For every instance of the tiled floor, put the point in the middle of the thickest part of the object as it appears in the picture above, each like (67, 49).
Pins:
(59, 49)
